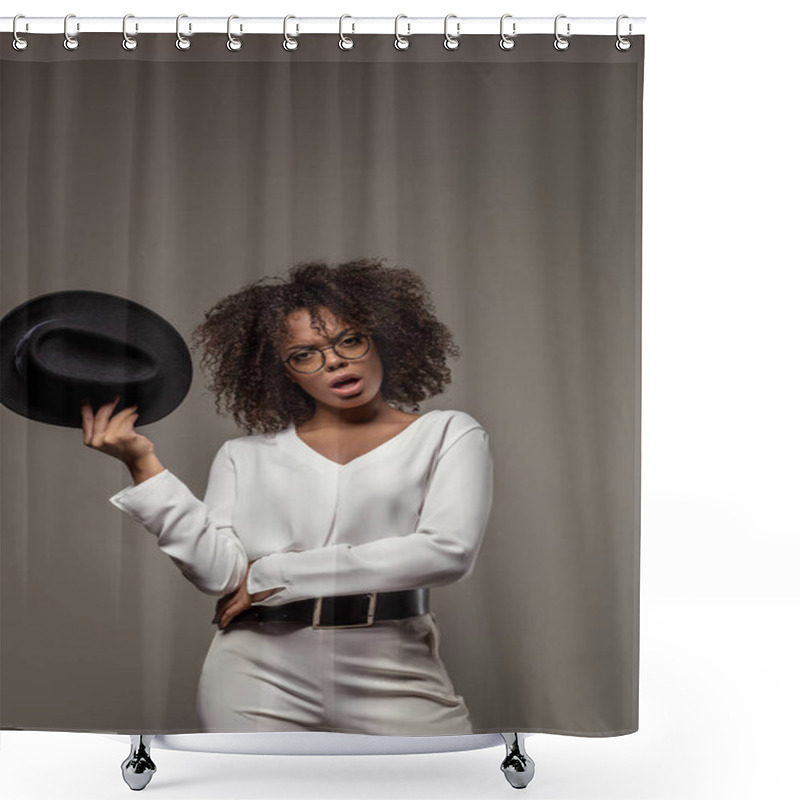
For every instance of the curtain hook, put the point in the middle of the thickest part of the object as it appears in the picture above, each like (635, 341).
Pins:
(401, 42)
(561, 43)
(70, 42)
(450, 41)
(622, 43)
(345, 42)
(182, 42)
(289, 42)
(506, 40)
(128, 42)
(234, 42)
(19, 43)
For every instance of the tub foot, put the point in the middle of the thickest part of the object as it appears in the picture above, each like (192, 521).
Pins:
(517, 766)
(138, 768)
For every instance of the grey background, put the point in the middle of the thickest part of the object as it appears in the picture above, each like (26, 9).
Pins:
(510, 180)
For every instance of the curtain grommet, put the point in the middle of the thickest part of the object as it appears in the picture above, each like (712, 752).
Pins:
(70, 42)
(561, 42)
(622, 44)
(507, 40)
(19, 43)
(182, 42)
(234, 43)
(401, 42)
(345, 42)
(290, 42)
(451, 41)
(128, 42)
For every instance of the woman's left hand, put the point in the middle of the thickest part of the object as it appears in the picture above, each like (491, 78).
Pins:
(234, 603)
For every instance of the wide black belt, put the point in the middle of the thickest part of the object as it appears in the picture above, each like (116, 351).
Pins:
(343, 611)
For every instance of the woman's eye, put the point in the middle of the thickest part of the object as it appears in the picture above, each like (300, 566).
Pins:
(299, 356)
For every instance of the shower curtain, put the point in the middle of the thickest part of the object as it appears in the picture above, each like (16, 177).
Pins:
(507, 183)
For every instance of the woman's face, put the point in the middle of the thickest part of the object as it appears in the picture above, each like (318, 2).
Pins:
(367, 368)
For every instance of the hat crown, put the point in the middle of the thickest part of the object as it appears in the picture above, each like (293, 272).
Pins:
(68, 351)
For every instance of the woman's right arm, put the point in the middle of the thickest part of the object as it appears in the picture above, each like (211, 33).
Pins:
(197, 535)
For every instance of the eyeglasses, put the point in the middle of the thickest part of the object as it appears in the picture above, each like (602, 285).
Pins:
(349, 345)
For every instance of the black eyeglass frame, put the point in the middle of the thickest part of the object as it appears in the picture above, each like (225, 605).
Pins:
(322, 350)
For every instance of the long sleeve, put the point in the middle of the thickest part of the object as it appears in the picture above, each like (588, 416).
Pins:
(197, 535)
(441, 550)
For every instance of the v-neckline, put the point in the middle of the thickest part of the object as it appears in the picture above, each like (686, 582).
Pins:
(292, 430)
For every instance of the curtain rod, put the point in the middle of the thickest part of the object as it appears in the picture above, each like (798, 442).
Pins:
(297, 25)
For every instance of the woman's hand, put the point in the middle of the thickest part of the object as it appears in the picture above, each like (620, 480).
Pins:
(115, 436)
(234, 603)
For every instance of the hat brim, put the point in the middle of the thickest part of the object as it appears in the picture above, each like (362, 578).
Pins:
(121, 318)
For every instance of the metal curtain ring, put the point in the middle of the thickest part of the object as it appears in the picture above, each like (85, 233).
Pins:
(128, 42)
(450, 41)
(182, 42)
(401, 42)
(506, 41)
(621, 43)
(19, 43)
(290, 42)
(345, 42)
(560, 42)
(234, 42)
(70, 42)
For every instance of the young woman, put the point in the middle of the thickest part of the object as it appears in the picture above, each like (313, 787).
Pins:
(323, 529)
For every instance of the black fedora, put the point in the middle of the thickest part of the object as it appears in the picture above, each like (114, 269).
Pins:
(57, 349)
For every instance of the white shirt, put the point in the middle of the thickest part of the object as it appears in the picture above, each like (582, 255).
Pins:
(408, 514)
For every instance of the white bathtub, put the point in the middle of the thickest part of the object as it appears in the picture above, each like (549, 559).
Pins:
(318, 743)
(138, 768)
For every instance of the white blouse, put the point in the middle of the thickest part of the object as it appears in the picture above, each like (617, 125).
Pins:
(408, 514)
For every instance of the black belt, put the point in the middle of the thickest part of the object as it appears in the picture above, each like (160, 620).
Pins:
(342, 611)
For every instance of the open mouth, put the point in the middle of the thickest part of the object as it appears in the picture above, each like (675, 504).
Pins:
(347, 386)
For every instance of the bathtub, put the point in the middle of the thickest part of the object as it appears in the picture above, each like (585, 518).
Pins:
(138, 767)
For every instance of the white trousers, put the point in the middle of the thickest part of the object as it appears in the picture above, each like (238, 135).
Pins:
(386, 679)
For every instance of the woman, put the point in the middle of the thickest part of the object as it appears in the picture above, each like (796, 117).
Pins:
(324, 527)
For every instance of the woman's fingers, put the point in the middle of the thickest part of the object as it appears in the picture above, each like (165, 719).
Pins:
(115, 435)
(95, 424)
(123, 420)
(88, 421)
(227, 610)
(229, 613)
(103, 414)
(222, 605)
(231, 604)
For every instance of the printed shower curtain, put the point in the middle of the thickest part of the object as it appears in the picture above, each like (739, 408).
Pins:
(468, 223)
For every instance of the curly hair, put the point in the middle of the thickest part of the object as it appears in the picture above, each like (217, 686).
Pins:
(241, 336)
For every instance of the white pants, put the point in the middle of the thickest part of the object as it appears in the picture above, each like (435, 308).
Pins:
(384, 679)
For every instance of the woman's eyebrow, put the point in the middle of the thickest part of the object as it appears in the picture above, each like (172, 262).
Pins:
(300, 346)
(332, 338)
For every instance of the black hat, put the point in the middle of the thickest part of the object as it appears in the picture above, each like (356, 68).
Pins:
(59, 348)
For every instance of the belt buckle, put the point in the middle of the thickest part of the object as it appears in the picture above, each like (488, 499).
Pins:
(318, 614)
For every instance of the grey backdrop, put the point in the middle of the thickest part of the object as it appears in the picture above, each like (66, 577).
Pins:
(511, 180)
